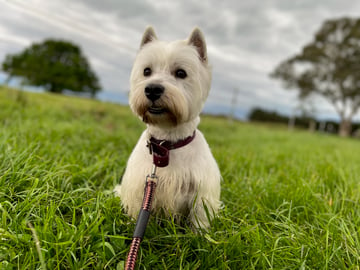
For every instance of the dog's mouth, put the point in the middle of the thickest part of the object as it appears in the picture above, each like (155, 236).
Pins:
(156, 110)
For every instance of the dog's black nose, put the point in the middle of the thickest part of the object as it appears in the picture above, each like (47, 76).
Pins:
(154, 91)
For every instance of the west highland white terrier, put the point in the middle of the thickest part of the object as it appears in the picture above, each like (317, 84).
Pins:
(169, 84)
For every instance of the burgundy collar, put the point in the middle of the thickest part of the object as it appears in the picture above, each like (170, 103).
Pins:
(160, 149)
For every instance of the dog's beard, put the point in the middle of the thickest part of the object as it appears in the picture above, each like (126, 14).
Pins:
(156, 114)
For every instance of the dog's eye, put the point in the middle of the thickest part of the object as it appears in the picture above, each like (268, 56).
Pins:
(147, 72)
(180, 73)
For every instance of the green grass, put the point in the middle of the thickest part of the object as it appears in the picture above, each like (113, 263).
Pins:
(291, 199)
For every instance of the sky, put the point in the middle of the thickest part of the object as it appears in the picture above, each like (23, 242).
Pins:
(246, 40)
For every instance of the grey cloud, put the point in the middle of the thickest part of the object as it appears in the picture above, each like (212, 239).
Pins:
(124, 9)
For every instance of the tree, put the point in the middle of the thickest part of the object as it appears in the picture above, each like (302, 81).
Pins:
(54, 65)
(330, 67)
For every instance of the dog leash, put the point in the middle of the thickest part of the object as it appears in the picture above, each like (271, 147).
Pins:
(160, 150)
(142, 220)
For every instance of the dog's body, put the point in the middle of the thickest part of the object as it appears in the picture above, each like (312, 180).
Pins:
(169, 85)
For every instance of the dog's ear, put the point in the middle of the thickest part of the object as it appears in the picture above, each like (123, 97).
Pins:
(148, 36)
(197, 40)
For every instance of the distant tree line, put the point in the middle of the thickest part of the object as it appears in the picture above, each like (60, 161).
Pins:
(261, 115)
(302, 122)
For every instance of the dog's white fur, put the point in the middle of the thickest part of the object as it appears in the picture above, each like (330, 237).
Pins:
(190, 184)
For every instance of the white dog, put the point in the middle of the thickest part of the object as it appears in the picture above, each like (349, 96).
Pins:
(169, 84)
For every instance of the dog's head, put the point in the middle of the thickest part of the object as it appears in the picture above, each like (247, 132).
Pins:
(170, 81)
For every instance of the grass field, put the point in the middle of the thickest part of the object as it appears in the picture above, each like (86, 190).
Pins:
(291, 199)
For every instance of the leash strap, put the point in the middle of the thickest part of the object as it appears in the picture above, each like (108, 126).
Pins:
(144, 213)
(142, 220)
